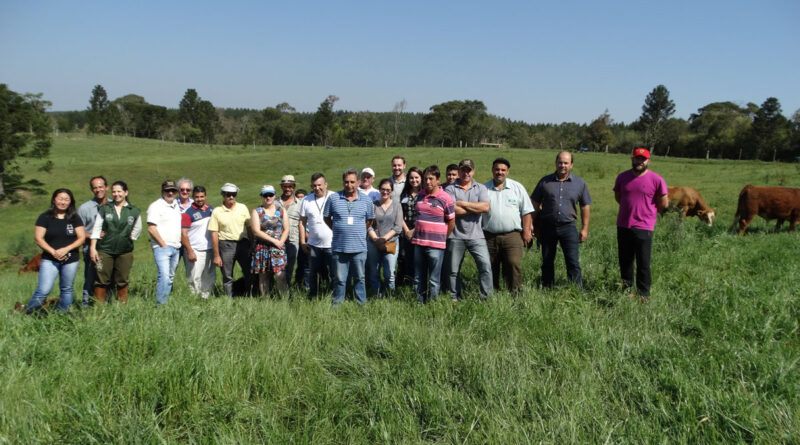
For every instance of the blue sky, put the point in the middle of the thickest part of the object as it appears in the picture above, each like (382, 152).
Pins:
(530, 61)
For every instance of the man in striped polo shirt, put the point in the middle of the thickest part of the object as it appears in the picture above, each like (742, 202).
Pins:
(349, 214)
(435, 221)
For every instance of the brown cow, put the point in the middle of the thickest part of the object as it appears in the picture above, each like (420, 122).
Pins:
(32, 266)
(781, 203)
(689, 202)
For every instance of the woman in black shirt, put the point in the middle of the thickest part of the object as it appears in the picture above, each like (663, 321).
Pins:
(408, 202)
(59, 232)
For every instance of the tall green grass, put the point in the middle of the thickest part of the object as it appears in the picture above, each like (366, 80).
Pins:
(711, 357)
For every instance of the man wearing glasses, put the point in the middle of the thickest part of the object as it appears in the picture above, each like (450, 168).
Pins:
(164, 227)
(229, 227)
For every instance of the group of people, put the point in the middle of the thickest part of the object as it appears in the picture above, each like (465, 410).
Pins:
(414, 229)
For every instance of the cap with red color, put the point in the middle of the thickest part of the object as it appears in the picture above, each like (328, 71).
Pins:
(641, 152)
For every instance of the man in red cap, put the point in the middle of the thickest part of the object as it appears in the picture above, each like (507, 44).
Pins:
(641, 193)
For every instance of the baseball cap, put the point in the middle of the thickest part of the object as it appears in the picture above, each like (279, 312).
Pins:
(287, 179)
(466, 163)
(368, 170)
(267, 190)
(230, 188)
(641, 152)
(169, 185)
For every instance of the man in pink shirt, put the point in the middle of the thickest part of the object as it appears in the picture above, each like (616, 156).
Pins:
(641, 193)
(435, 221)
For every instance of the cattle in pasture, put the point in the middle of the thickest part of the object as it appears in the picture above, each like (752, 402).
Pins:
(32, 266)
(781, 203)
(689, 202)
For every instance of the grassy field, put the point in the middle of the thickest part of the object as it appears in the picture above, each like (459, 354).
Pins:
(711, 357)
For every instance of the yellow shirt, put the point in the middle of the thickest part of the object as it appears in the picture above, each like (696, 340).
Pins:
(230, 223)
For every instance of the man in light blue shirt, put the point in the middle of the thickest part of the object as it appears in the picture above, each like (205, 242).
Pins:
(349, 214)
(508, 225)
(87, 213)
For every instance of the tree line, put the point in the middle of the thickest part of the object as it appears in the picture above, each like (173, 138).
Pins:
(717, 130)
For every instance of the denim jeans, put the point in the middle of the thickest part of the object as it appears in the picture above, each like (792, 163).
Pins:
(48, 271)
(427, 270)
(380, 269)
(344, 265)
(319, 264)
(480, 253)
(567, 235)
(89, 276)
(303, 273)
(166, 261)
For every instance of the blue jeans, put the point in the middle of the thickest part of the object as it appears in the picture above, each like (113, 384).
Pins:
(319, 261)
(480, 253)
(427, 269)
(166, 262)
(380, 269)
(48, 271)
(344, 265)
(567, 235)
(89, 276)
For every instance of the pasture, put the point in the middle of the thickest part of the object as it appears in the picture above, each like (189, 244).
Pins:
(711, 357)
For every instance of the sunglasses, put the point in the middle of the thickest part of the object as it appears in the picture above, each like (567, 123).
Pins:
(186, 190)
(268, 195)
(386, 190)
(228, 194)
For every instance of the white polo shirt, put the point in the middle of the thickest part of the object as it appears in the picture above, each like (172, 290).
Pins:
(167, 219)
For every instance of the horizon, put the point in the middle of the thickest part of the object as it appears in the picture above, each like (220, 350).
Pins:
(547, 64)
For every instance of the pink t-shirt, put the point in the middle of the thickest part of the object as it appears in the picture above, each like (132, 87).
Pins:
(433, 213)
(637, 203)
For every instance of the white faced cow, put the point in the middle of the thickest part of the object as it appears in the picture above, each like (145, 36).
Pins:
(689, 202)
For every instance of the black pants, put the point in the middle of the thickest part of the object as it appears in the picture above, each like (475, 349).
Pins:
(635, 244)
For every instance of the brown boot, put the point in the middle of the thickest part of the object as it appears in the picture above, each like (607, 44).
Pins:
(122, 294)
(100, 294)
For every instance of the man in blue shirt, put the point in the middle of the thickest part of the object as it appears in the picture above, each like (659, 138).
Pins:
(349, 214)
(558, 195)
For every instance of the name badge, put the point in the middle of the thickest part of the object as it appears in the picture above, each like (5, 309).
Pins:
(349, 220)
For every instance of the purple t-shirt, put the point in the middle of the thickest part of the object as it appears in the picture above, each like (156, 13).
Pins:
(637, 202)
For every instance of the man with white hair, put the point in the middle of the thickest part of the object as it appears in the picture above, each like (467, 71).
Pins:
(366, 188)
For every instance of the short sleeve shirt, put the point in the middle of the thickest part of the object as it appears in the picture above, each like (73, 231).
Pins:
(349, 221)
(167, 219)
(433, 213)
(319, 234)
(637, 202)
(231, 224)
(506, 207)
(468, 226)
(88, 212)
(196, 220)
(559, 199)
(60, 233)
(293, 212)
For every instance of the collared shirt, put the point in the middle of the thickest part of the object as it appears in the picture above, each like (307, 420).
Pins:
(88, 212)
(293, 212)
(560, 198)
(319, 234)
(507, 206)
(397, 189)
(231, 224)
(349, 221)
(196, 219)
(468, 226)
(371, 192)
(186, 207)
(167, 219)
(433, 213)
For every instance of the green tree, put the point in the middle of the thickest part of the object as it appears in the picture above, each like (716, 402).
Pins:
(363, 129)
(24, 132)
(322, 125)
(598, 134)
(98, 110)
(719, 130)
(771, 131)
(455, 123)
(657, 109)
(199, 114)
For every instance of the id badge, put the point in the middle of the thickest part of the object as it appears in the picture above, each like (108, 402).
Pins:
(349, 220)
